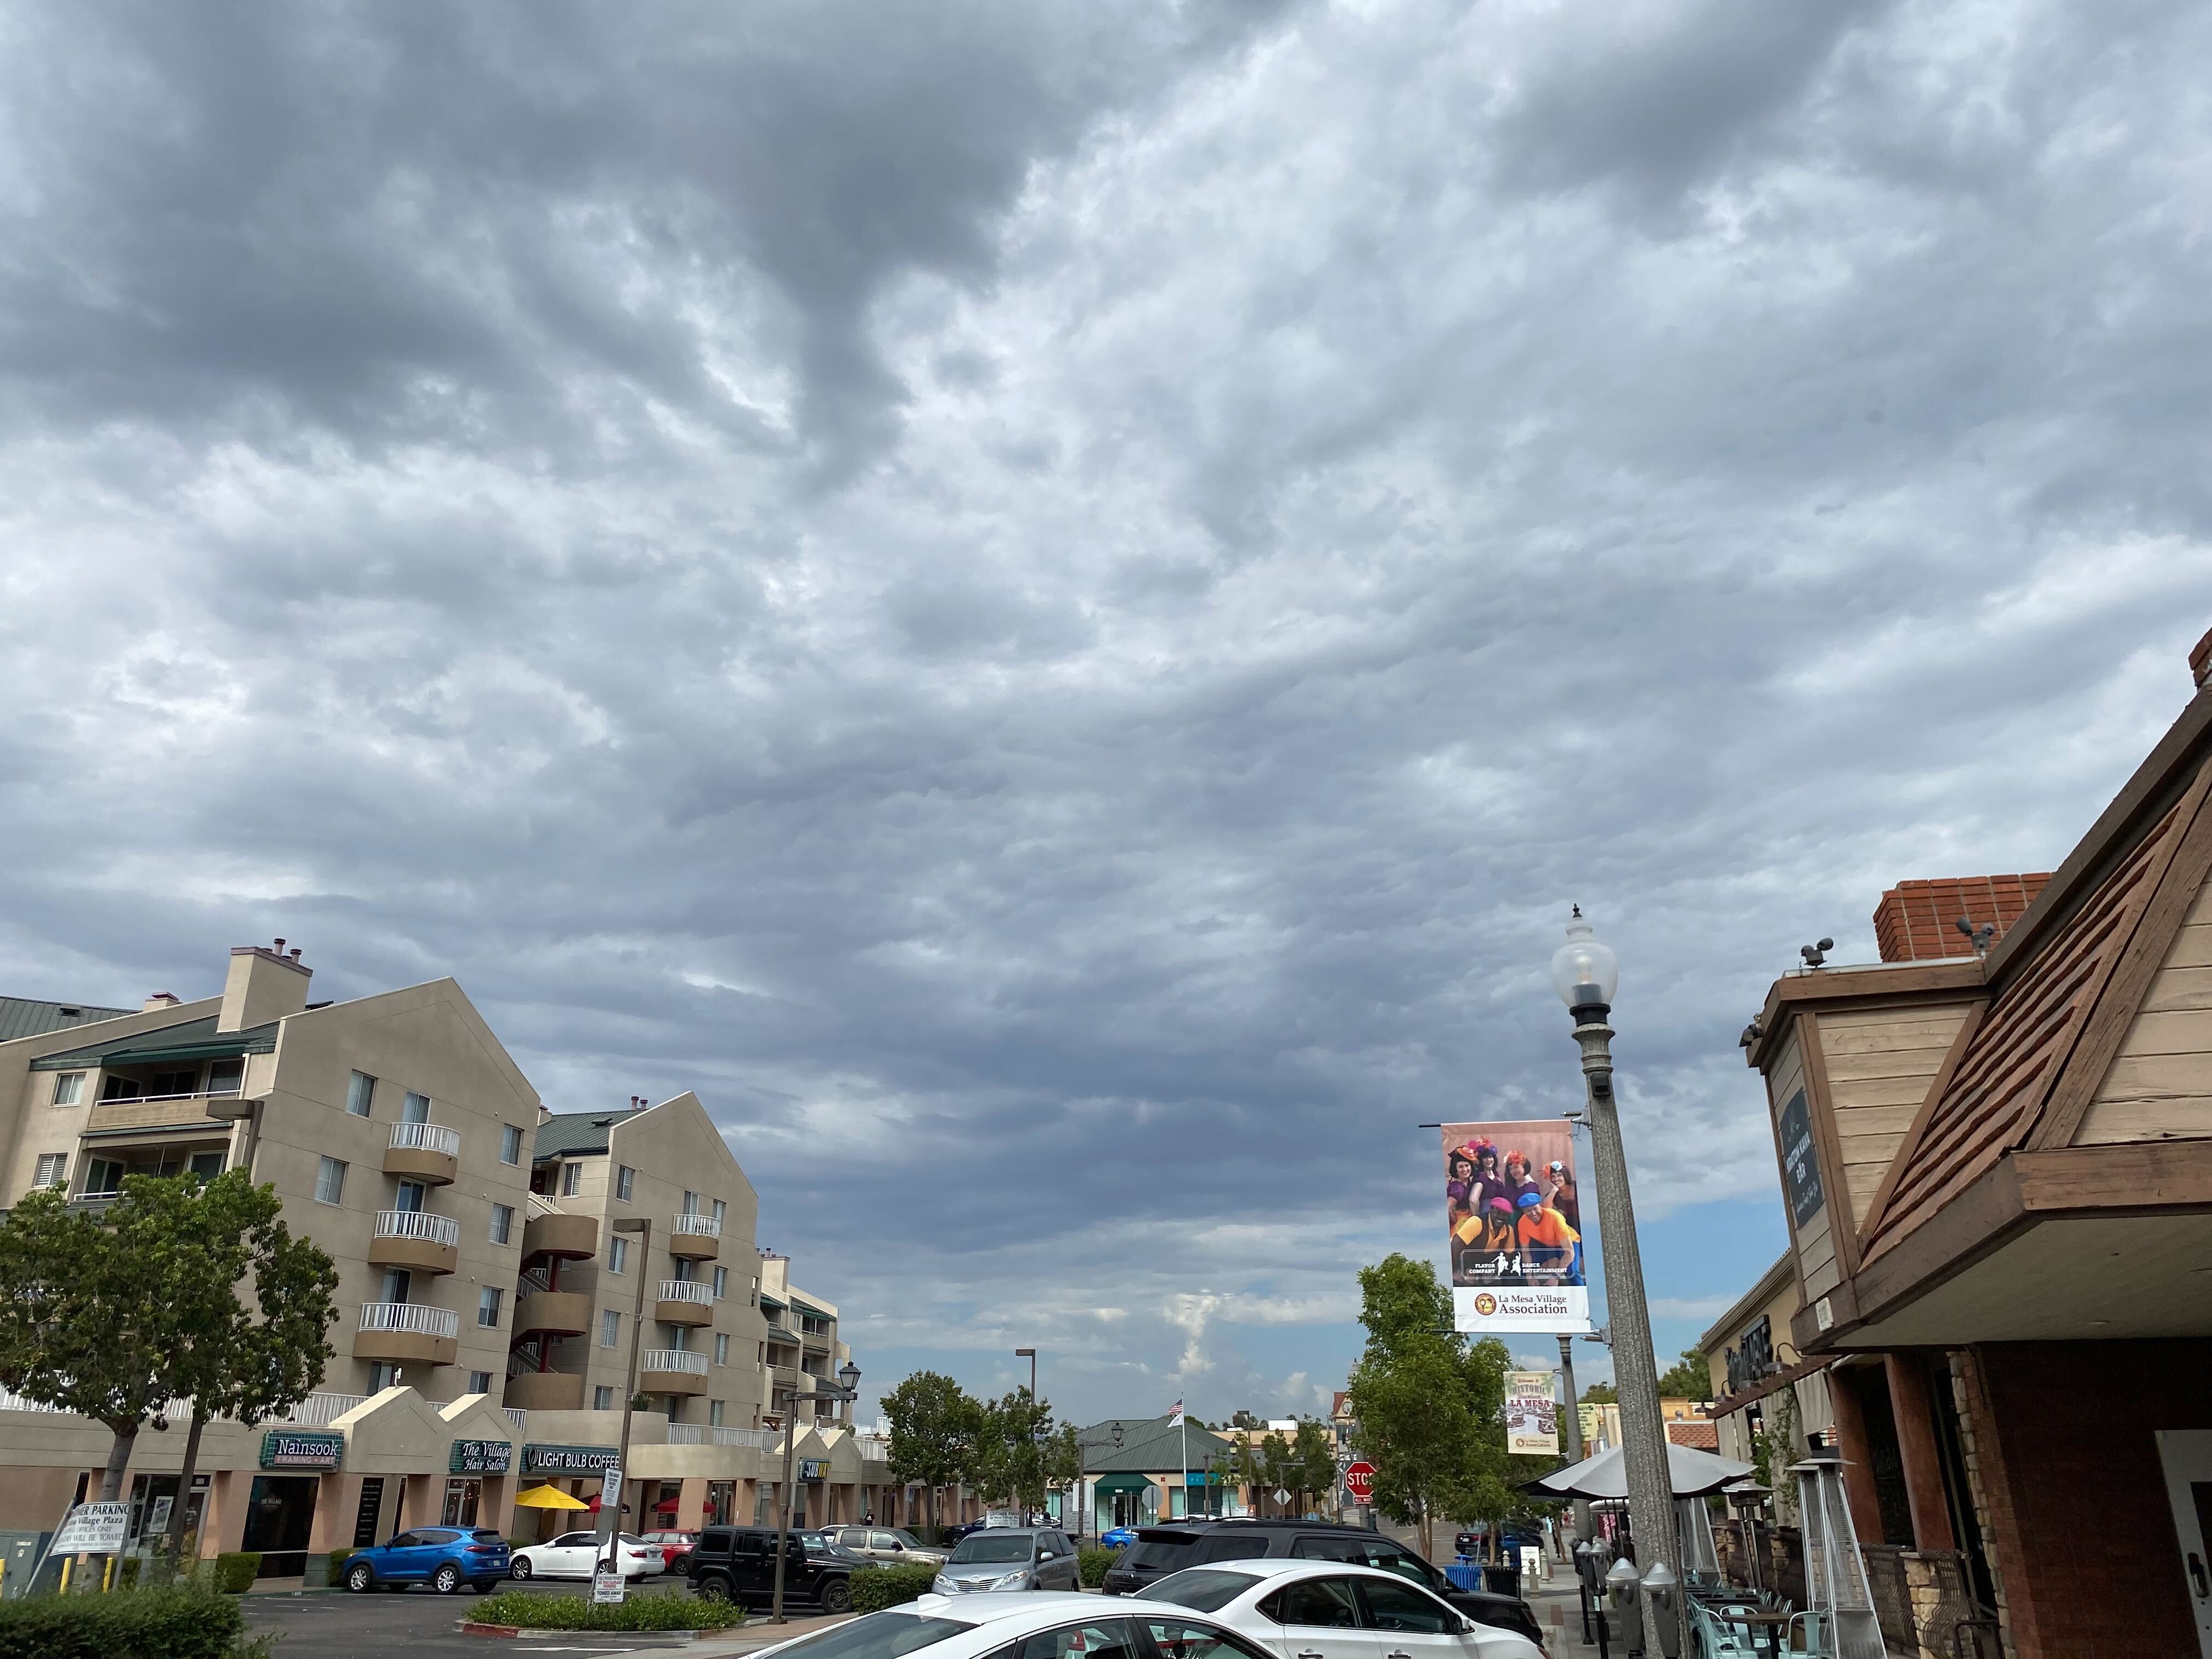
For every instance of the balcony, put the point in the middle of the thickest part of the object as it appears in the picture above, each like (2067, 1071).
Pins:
(566, 1238)
(553, 1313)
(705, 1434)
(429, 1152)
(695, 1237)
(415, 1240)
(545, 1391)
(686, 1301)
(164, 1112)
(407, 1333)
(671, 1370)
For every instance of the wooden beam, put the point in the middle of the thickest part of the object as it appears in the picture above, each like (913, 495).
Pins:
(1915, 1413)
(2136, 1175)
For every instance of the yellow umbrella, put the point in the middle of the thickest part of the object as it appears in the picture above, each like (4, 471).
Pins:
(548, 1497)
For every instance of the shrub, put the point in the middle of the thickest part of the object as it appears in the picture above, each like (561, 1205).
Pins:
(887, 1587)
(234, 1573)
(669, 1610)
(1093, 1562)
(179, 1622)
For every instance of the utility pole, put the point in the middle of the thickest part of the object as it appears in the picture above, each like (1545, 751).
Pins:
(611, 1561)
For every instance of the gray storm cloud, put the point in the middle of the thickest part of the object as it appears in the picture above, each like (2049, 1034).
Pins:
(1049, 604)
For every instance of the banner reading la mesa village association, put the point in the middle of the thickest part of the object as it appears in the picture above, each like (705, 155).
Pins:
(1513, 1206)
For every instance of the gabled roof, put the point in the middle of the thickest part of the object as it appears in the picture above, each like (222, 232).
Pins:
(22, 1017)
(574, 1135)
(191, 1039)
(1148, 1444)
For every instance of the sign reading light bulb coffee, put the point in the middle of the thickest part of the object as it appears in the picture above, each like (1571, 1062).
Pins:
(1513, 1218)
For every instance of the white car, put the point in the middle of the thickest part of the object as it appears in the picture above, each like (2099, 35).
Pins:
(1302, 1609)
(576, 1555)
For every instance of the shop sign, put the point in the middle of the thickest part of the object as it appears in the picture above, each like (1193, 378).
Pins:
(482, 1457)
(813, 1468)
(287, 1448)
(569, 1460)
(1801, 1168)
(1752, 1357)
(92, 1529)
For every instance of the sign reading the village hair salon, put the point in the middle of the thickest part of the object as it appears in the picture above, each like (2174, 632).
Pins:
(569, 1460)
(1801, 1168)
(482, 1457)
(287, 1448)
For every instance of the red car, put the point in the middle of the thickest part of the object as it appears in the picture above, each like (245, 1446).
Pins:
(675, 1548)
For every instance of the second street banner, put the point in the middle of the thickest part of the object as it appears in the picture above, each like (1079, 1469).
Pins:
(1513, 1211)
(1532, 1416)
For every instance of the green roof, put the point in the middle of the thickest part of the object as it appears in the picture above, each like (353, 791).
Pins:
(23, 1017)
(574, 1135)
(1148, 1443)
(191, 1039)
(809, 1308)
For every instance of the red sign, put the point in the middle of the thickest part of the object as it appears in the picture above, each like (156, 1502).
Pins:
(1359, 1481)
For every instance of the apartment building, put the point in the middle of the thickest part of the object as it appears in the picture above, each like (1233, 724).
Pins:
(799, 1349)
(686, 1274)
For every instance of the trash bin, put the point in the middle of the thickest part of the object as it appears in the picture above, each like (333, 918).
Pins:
(1505, 1579)
(1464, 1574)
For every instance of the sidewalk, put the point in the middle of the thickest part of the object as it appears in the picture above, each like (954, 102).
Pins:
(1558, 1611)
(758, 1634)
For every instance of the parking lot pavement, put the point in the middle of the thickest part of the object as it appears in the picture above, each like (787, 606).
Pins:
(423, 1625)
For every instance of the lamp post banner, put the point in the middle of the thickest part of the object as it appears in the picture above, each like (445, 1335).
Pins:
(1514, 1227)
(1532, 1416)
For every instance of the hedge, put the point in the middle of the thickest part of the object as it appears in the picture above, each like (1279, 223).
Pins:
(234, 1573)
(177, 1622)
(1093, 1562)
(887, 1587)
(668, 1610)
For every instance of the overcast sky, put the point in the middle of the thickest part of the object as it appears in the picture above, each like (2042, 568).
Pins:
(1050, 604)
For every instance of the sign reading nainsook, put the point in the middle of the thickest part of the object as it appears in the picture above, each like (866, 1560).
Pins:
(288, 1449)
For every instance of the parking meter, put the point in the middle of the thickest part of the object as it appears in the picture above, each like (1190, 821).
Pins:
(1621, 1586)
(1662, 1609)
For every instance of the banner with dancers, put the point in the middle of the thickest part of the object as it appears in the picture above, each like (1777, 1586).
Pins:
(1513, 1209)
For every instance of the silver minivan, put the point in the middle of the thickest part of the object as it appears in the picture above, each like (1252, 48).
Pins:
(1010, 1558)
(894, 1546)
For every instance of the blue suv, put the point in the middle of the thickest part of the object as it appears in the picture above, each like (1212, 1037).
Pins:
(444, 1557)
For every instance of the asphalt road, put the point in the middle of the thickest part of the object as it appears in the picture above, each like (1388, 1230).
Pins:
(421, 1623)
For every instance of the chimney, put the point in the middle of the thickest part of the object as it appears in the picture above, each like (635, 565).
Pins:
(1918, 920)
(158, 1002)
(2200, 661)
(265, 984)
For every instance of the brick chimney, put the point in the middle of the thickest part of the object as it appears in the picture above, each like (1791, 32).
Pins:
(1918, 920)
(264, 984)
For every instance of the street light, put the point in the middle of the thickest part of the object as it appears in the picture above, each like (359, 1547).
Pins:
(1586, 972)
(1029, 1354)
(640, 1224)
(849, 1375)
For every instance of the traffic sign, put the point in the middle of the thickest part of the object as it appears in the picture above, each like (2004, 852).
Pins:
(607, 1588)
(1282, 1495)
(1359, 1481)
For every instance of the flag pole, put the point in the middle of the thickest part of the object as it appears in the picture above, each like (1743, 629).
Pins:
(1185, 1416)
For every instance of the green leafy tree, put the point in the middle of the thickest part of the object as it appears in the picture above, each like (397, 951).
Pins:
(936, 1430)
(1010, 1449)
(1314, 1459)
(1600, 1394)
(1243, 1419)
(1236, 1466)
(1688, 1377)
(1279, 1469)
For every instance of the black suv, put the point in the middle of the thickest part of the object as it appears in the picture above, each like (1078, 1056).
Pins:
(1159, 1550)
(738, 1564)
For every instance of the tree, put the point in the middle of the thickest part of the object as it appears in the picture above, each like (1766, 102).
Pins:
(1313, 1459)
(935, 1426)
(1243, 1419)
(1688, 1378)
(1600, 1394)
(1278, 1468)
(1009, 1460)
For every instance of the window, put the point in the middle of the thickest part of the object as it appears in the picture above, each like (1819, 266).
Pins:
(416, 1109)
(572, 1179)
(103, 1177)
(625, 1181)
(173, 1085)
(121, 1088)
(720, 1209)
(409, 1198)
(618, 1256)
(69, 1088)
(329, 1181)
(1175, 1638)
(722, 1347)
(610, 1327)
(1096, 1639)
(382, 1374)
(206, 1166)
(226, 1077)
(1326, 1603)
(714, 1414)
(53, 1169)
(479, 1382)
(503, 1223)
(510, 1144)
(487, 1301)
(1402, 1607)
(690, 1203)
(360, 1093)
(603, 1399)
(721, 1283)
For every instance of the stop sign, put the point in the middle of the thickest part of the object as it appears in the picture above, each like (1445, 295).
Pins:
(1359, 1481)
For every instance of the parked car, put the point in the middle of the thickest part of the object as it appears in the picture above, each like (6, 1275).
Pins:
(1010, 1558)
(824, 1545)
(444, 1557)
(894, 1546)
(1114, 1537)
(673, 1546)
(576, 1555)
(738, 1564)
(1159, 1550)
(954, 1534)
(1307, 1609)
(1074, 1627)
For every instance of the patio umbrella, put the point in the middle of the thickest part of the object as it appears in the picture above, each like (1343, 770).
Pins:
(547, 1497)
(1694, 1474)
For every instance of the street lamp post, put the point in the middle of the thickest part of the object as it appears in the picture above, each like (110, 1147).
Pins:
(849, 1375)
(1574, 1412)
(611, 1562)
(1586, 973)
(1029, 1354)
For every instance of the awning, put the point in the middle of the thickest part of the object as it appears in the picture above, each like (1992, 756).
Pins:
(1122, 1483)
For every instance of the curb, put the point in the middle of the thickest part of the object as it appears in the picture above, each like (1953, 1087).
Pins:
(473, 1628)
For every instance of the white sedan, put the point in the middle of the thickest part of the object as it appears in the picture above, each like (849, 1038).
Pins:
(576, 1555)
(1333, 1610)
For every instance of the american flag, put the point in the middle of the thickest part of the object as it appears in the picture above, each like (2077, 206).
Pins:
(1175, 1414)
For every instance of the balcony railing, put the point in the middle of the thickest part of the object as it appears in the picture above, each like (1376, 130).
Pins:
(414, 1318)
(426, 1137)
(419, 1224)
(697, 1226)
(667, 1359)
(710, 1434)
(687, 1290)
(312, 1413)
